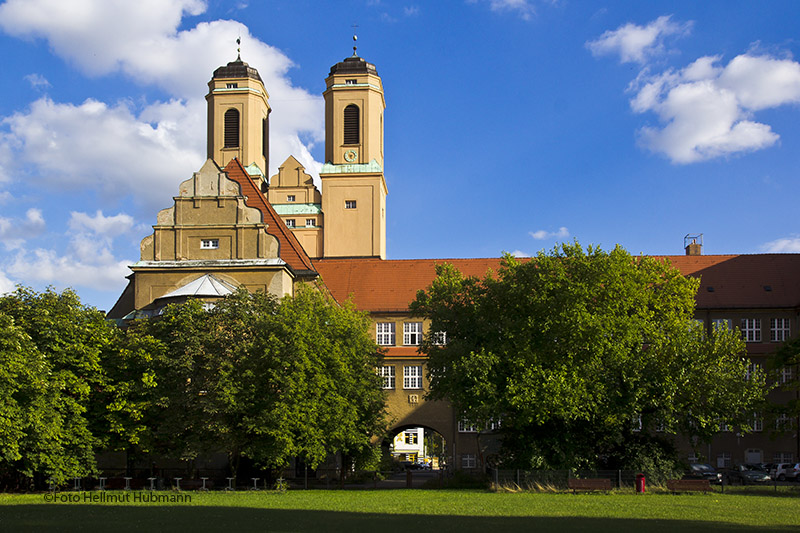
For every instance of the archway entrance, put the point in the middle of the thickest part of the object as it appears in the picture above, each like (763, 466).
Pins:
(415, 447)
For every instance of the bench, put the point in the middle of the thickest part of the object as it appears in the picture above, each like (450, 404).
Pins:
(686, 485)
(576, 484)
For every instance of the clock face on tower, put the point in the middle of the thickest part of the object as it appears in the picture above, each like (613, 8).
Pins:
(350, 156)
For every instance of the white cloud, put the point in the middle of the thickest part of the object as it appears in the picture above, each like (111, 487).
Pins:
(523, 8)
(14, 232)
(99, 224)
(541, 234)
(37, 81)
(785, 245)
(520, 253)
(636, 44)
(706, 110)
(141, 40)
(107, 148)
(6, 285)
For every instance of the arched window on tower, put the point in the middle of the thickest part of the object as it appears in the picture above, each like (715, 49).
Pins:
(231, 128)
(351, 125)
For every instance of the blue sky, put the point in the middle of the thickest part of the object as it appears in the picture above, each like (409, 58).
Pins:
(511, 125)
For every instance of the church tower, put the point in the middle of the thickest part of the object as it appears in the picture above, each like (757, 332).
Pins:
(353, 186)
(238, 117)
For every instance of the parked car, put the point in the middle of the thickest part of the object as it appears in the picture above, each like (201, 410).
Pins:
(786, 471)
(703, 471)
(748, 475)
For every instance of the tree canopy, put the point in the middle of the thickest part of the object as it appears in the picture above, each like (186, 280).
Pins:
(585, 356)
(257, 377)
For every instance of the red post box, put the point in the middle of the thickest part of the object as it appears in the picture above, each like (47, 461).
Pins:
(640, 485)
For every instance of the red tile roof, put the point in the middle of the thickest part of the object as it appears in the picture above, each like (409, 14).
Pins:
(738, 281)
(289, 249)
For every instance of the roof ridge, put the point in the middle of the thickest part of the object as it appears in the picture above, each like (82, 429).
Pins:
(269, 212)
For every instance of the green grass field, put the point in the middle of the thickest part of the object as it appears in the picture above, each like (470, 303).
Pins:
(409, 510)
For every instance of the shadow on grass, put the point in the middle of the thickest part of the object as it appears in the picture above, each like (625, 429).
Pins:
(120, 519)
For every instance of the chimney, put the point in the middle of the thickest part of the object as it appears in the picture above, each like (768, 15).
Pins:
(693, 244)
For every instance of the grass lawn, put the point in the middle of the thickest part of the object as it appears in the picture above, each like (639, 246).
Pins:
(408, 510)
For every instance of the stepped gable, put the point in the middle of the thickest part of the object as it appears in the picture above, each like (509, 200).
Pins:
(290, 249)
(736, 281)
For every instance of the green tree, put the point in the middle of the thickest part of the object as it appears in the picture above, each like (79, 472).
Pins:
(573, 348)
(257, 377)
(51, 379)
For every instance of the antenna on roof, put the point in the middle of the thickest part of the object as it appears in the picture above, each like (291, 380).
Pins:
(238, 48)
(355, 39)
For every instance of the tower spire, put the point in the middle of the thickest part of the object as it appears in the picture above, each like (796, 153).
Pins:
(355, 40)
(239, 48)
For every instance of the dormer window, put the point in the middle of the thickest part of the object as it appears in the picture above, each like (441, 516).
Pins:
(209, 244)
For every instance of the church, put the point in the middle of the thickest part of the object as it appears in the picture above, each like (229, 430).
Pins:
(232, 226)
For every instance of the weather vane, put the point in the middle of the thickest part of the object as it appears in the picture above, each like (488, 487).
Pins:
(355, 39)
(239, 48)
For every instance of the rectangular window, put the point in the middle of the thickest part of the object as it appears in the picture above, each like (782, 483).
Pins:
(290, 197)
(290, 223)
(384, 333)
(778, 329)
(752, 369)
(468, 461)
(309, 222)
(692, 458)
(387, 373)
(494, 425)
(350, 82)
(758, 422)
(412, 333)
(349, 204)
(783, 422)
(724, 460)
(783, 457)
(721, 323)
(751, 329)
(439, 338)
(467, 427)
(786, 374)
(412, 377)
(209, 244)
(411, 437)
(637, 423)
(231, 85)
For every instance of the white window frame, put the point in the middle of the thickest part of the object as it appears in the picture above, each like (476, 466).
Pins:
(469, 461)
(384, 334)
(783, 422)
(724, 460)
(412, 333)
(465, 426)
(209, 244)
(758, 422)
(290, 197)
(387, 373)
(350, 204)
(309, 222)
(290, 223)
(411, 438)
(692, 458)
(779, 329)
(637, 422)
(439, 338)
(721, 324)
(787, 373)
(412, 377)
(751, 369)
(751, 329)
(783, 457)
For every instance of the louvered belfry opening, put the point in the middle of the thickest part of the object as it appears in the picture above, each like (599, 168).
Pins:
(351, 124)
(231, 128)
